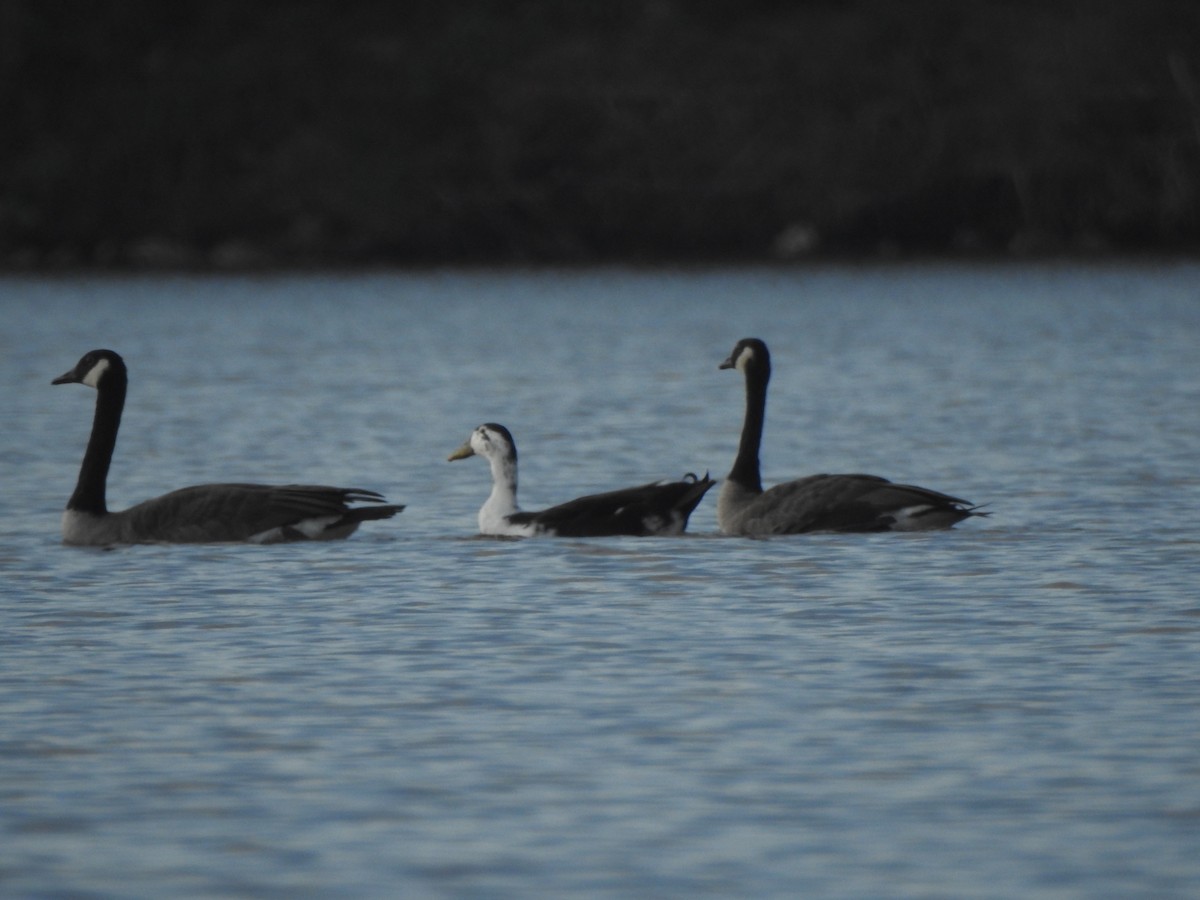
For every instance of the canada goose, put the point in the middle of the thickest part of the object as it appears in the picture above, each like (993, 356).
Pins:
(649, 509)
(817, 502)
(257, 513)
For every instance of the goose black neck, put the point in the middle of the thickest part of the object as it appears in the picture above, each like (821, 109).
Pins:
(745, 469)
(89, 493)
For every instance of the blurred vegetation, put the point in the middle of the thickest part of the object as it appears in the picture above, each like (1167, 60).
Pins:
(310, 132)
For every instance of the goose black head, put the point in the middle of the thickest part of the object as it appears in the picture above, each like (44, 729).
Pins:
(750, 355)
(94, 367)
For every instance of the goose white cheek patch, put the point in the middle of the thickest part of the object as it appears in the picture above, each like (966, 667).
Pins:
(92, 378)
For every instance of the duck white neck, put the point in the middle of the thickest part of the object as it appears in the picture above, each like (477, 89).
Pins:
(502, 502)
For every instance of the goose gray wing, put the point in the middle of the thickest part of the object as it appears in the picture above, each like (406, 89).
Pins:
(851, 503)
(252, 512)
(654, 508)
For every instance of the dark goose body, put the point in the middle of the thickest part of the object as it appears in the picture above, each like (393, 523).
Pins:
(205, 513)
(852, 503)
(648, 509)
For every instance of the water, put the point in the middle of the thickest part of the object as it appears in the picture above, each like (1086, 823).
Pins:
(1010, 709)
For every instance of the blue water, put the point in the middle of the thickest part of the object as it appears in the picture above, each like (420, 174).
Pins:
(1009, 709)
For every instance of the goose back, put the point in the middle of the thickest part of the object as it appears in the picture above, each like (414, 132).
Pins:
(846, 503)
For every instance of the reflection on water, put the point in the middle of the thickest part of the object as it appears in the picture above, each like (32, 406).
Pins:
(1007, 709)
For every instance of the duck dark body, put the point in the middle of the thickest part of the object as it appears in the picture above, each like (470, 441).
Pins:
(657, 508)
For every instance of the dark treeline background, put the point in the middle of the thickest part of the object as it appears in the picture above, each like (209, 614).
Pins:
(314, 132)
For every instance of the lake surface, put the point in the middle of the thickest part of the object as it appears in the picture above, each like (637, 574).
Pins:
(1008, 709)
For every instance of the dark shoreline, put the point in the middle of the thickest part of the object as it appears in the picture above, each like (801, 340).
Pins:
(238, 136)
